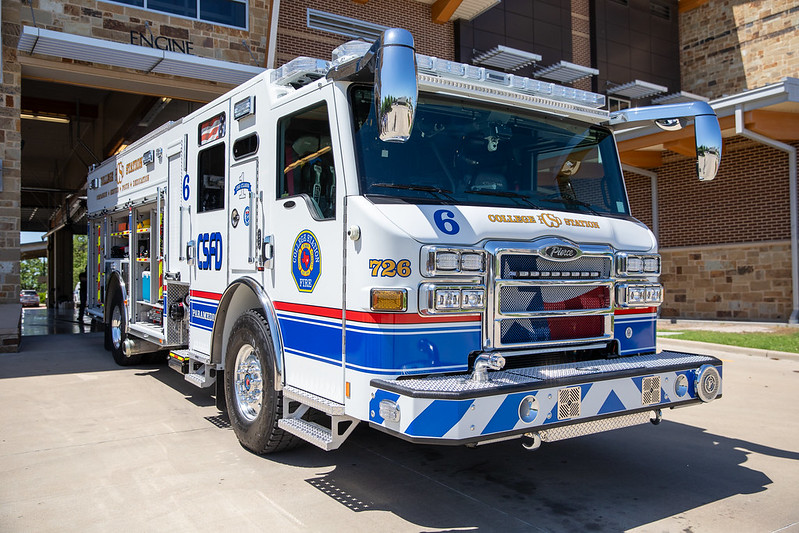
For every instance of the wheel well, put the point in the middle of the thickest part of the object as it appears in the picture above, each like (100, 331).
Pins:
(115, 285)
(242, 295)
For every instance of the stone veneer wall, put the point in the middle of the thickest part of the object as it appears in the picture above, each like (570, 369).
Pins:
(10, 154)
(728, 46)
(750, 281)
(114, 22)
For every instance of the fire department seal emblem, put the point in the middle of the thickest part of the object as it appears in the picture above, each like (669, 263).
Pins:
(306, 261)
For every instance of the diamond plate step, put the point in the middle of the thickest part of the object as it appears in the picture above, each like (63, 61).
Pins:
(200, 380)
(312, 400)
(199, 357)
(308, 431)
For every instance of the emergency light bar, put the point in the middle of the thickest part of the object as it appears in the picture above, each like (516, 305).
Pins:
(303, 70)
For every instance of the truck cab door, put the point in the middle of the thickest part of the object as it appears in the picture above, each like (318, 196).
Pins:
(306, 221)
(209, 246)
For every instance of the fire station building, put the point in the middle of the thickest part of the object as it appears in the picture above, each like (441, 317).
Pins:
(80, 80)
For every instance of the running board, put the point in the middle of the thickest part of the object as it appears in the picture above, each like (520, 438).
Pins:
(325, 438)
(195, 367)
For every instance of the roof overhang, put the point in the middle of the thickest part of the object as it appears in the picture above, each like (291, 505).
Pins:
(566, 72)
(447, 10)
(506, 58)
(637, 89)
(149, 60)
(772, 110)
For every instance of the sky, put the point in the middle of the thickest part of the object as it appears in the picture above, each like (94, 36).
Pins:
(30, 236)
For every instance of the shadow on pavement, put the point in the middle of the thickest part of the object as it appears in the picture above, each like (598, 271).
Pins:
(605, 482)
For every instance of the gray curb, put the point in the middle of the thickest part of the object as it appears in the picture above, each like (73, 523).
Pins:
(706, 348)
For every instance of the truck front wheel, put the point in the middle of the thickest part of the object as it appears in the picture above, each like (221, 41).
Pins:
(253, 404)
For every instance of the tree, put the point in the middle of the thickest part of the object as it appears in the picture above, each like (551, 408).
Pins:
(79, 243)
(33, 274)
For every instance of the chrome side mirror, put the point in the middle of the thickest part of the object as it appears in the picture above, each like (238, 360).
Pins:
(707, 132)
(391, 64)
(708, 146)
(396, 90)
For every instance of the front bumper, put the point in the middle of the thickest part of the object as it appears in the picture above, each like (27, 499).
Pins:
(590, 396)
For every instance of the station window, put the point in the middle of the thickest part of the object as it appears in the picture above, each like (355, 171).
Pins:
(211, 178)
(227, 12)
(306, 161)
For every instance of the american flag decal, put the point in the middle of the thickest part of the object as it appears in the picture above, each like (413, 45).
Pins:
(212, 129)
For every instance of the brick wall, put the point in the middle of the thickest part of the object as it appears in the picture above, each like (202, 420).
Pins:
(294, 38)
(114, 22)
(728, 46)
(581, 39)
(639, 192)
(748, 201)
(749, 281)
(10, 153)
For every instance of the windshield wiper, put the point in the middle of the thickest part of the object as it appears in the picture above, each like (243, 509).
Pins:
(573, 201)
(423, 188)
(504, 194)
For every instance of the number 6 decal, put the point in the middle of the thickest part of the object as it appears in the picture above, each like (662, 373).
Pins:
(445, 221)
(186, 187)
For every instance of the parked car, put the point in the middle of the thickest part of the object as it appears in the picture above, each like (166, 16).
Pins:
(29, 298)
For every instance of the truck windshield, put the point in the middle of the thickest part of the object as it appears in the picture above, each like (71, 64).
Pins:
(467, 152)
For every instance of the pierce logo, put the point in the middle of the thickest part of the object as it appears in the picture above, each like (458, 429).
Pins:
(561, 252)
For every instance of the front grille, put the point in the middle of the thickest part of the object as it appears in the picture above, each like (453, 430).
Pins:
(528, 266)
(526, 298)
(526, 330)
(537, 300)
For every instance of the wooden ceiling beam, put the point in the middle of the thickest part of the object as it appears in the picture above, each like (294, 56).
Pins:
(444, 9)
(642, 159)
(773, 124)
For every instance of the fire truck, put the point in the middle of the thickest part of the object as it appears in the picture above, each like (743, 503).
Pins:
(442, 251)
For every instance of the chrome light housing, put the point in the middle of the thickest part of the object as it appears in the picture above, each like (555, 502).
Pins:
(637, 265)
(445, 261)
(639, 294)
(442, 298)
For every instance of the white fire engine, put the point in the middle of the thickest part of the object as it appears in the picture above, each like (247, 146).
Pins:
(442, 251)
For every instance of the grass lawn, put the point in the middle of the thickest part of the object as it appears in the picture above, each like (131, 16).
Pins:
(780, 340)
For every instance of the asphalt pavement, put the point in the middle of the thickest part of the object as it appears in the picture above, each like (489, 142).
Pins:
(86, 445)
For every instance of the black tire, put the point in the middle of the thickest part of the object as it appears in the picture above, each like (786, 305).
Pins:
(253, 404)
(117, 332)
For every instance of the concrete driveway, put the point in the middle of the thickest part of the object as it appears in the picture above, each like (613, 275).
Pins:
(89, 446)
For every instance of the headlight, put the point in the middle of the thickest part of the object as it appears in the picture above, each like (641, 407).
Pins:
(452, 261)
(638, 294)
(436, 299)
(632, 265)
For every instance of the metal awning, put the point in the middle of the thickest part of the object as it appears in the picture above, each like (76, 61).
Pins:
(566, 72)
(679, 98)
(77, 47)
(637, 89)
(506, 58)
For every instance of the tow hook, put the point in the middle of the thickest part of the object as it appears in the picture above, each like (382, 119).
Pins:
(657, 416)
(531, 441)
(484, 363)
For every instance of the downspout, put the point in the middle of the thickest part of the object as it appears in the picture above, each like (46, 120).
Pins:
(270, 52)
(740, 129)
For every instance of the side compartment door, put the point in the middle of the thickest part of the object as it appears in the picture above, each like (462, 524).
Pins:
(305, 217)
(180, 196)
(208, 174)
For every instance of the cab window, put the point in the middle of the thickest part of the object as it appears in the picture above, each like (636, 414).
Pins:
(306, 166)
(211, 178)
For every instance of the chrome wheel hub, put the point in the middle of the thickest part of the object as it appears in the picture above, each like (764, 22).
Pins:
(116, 327)
(248, 383)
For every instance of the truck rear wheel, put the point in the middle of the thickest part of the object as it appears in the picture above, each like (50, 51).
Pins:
(253, 404)
(117, 332)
